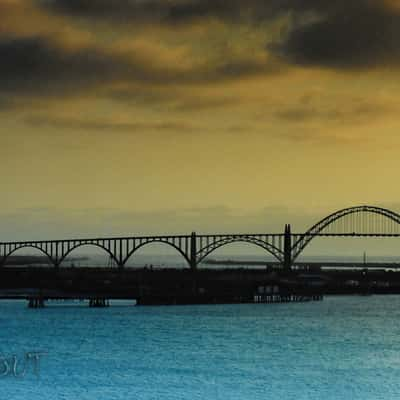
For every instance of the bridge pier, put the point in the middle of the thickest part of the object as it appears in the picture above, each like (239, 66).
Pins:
(287, 248)
(193, 251)
(99, 302)
(35, 302)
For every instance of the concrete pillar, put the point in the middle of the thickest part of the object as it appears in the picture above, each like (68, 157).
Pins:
(287, 248)
(193, 251)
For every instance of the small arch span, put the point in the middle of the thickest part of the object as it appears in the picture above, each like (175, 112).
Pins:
(73, 248)
(207, 250)
(174, 246)
(25, 246)
(324, 223)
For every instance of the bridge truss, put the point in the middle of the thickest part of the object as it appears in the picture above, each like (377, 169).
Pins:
(360, 221)
(194, 248)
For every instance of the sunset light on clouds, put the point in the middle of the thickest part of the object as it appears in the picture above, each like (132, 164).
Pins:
(173, 107)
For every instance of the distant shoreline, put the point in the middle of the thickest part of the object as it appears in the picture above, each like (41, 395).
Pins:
(25, 260)
(212, 261)
(305, 264)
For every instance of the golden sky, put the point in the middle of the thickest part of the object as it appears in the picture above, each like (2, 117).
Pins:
(173, 115)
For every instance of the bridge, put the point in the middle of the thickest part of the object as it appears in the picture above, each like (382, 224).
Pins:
(286, 247)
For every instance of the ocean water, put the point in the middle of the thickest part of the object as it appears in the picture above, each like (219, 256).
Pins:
(340, 348)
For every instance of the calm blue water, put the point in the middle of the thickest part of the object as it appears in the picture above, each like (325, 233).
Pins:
(341, 348)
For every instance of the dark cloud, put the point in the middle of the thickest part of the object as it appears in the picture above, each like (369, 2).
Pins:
(348, 111)
(167, 11)
(101, 125)
(33, 64)
(182, 11)
(341, 34)
(168, 98)
(36, 65)
(204, 104)
(175, 11)
(346, 37)
(337, 34)
(7, 103)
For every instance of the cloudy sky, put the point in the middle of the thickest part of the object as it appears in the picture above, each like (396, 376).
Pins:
(131, 116)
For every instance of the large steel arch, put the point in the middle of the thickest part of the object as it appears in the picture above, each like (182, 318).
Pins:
(205, 251)
(309, 235)
(6, 256)
(129, 255)
(70, 250)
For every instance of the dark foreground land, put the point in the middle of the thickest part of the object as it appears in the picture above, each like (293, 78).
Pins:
(185, 286)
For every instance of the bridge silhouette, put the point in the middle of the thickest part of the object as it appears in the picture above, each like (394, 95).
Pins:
(359, 221)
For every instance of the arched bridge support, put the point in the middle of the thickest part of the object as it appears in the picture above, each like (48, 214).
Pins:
(355, 223)
(194, 248)
(206, 244)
